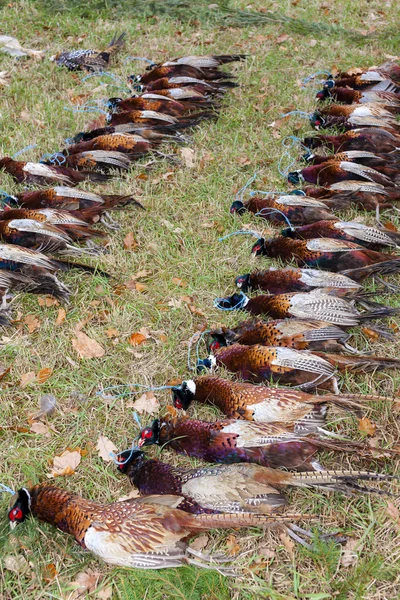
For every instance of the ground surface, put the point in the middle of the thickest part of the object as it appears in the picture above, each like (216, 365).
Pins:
(178, 249)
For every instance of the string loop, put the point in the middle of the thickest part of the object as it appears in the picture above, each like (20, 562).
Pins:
(6, 489)
(309, 78)
(147, 388)
(30, 147)
(240, 193)
(240, 232)
(267, 211)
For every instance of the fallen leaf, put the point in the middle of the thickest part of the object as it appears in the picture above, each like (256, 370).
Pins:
(104, 447)
(394, 514)
(16, 563)
(136, 339)
(232, 545)
(32, 323)
(86, 347)
(27, 378)
(66, 463)
(140, 287)
(141, 274)
(40, 428)
(129, 241)
(366, 426)
(48, 404)
(49, 572)
(47, 301)
(112, 333)
(370, 333)
(282, 38)
(200, 542)
(105, 593)
(133, 494)
(147, 403)
(61, 316)
(349, 556)
(188, 155)
(43, 375)
(178, 281)
(288, 543)
(86, 582)
(4, 371)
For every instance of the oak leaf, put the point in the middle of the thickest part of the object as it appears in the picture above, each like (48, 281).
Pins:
(66, 463)
(27, 378)
(147, 403)
(365, 425)
(105, 446)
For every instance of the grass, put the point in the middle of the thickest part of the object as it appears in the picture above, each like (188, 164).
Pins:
(187, 210)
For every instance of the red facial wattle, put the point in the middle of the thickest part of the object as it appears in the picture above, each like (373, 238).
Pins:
(178, 404)
(16, 514)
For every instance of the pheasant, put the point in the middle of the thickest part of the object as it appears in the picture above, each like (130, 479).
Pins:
(63, 197)
(238, 400)
(28, 262)
(206, 88)
(143, 533)
(335, 255)
(372, 139)
(259, 363)
(387, 71)
(360, 116)
(153, 102)
(366, 110)
(30, 233)
(312, 305)
(331, 172)
(89, 60)
(208, 61)
(350, 96)
(150, 117)
(351, 231)
(291, 279)
(73, 226)
(41, 174)
(296, 209)
(232, 441)
(300, 334)
(382, 163)
(235, 488)
(181, 70)
(100, 160)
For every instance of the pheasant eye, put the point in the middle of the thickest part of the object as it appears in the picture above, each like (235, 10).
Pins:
(16, 514)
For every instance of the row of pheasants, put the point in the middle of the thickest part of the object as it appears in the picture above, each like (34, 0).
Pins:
(268, 427)
(37, 222)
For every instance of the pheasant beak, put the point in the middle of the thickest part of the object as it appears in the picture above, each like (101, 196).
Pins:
(141, 443)
(53, 58)
(13, 525)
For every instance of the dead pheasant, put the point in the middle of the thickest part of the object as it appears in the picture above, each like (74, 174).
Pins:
(41, 174)
(291, 279)
(289, 407)
(89, 60)
(144, 533)
(293, 208)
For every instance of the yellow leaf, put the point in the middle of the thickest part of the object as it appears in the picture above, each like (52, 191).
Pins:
(32, 323)
(366, 426)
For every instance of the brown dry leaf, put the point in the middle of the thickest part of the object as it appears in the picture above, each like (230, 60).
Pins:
(49, 572)
(105, 593)
(27, 378)
(133, 494)
(147, 403)
(394, 514)
(104, 447)
(86, 582)
(370, 333)
(66, 463)
(288, 543)
(61, 315)
(47, 301)
(171, 410)
(43, 375)
(129, 241)
(4, 371)
(86, 347)
(178, 281)
(391, 226)
(365, 425)
(188, 156)
(140, 287)
(141, 274)
(40, 428)
(136, 339)
(232, 545)
(349, 556)
(200, 542)
(282, 38)
(32, 323)
(16, 563)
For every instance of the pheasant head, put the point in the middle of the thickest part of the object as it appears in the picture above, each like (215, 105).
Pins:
(237, 207)
(129, 459)
(21, 508)
(150, 435)
(183, 394)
